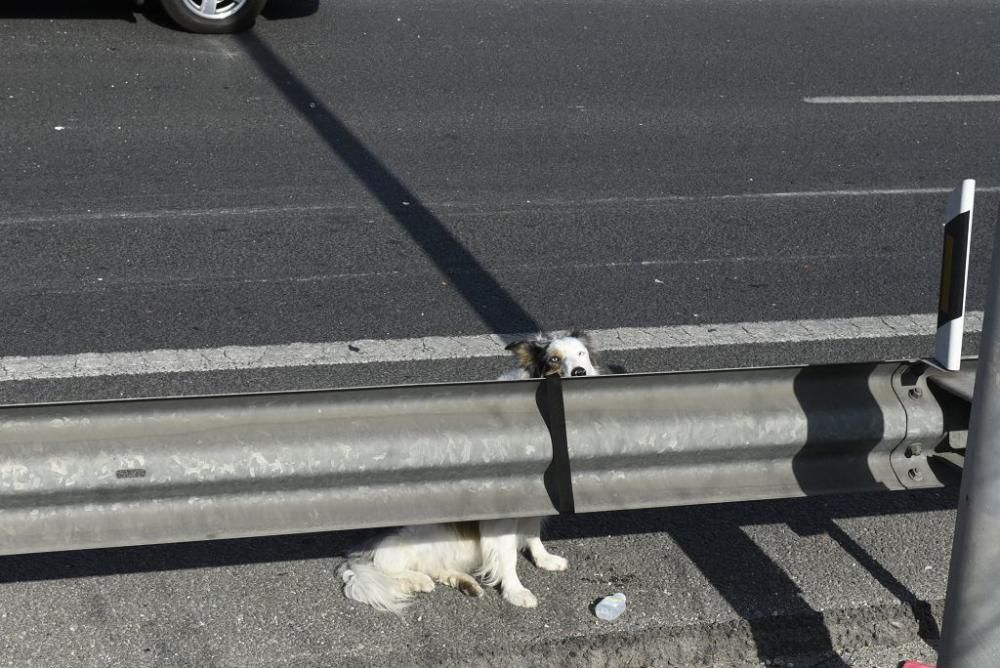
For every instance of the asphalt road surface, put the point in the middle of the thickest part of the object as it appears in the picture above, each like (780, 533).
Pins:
(404, 174)
(824, 582)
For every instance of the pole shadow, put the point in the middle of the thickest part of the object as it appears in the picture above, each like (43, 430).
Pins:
(799, 629)
(848, 469)
(477, 286)
(816, 467)
(927, 626)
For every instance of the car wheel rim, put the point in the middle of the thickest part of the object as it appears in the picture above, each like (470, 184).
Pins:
(214, 9)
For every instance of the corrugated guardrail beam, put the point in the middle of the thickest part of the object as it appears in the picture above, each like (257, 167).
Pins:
(149, 471)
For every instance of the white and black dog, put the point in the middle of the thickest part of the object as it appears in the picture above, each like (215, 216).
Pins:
(466, 555)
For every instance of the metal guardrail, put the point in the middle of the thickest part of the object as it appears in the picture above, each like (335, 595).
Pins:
(105, 474)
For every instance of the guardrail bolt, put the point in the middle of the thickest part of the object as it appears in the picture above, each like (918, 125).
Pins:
(914, 450)
(916, 393)
(915, 475)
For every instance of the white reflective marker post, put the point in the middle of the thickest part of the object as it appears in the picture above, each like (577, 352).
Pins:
(954, 276)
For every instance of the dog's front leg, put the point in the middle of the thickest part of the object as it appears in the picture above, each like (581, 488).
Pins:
(530, 531)
(499, 541)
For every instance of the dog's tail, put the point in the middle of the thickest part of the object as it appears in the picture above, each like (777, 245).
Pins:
(366, 584)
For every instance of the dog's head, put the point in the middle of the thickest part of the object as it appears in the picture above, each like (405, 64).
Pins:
(566, 356)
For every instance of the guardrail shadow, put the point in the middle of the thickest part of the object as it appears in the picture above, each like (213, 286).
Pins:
(477, 286)
(748, 579)
(180, 556)
(712, 537)
(852, 417)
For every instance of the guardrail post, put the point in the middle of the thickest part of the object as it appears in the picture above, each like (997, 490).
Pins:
(971, 627)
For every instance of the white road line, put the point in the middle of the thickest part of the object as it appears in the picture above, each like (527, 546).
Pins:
(371, 351)
(790, 194)
(901, 99)
(322, 209)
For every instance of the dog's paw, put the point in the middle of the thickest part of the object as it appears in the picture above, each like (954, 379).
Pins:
(522, 598)
(470, 588)
(418, 583)
(552, 562)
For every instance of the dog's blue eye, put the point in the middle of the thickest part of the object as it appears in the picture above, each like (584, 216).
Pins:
(554, 359)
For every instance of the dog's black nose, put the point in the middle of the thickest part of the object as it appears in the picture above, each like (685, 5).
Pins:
(579, 371)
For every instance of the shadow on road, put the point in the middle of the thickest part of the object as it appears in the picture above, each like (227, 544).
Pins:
(781, 622)
(712, 537)
(478, 287)
(928, 627)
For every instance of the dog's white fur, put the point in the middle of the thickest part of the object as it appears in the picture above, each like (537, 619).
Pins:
(566, 355)
(463, 555)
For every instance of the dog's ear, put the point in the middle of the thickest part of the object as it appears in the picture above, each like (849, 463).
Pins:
(526, 353)
(582, 336)
(522, 351)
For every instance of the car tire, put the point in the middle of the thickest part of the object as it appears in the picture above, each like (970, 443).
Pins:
(213, 16)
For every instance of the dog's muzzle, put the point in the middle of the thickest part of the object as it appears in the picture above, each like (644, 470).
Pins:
(579, 371)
